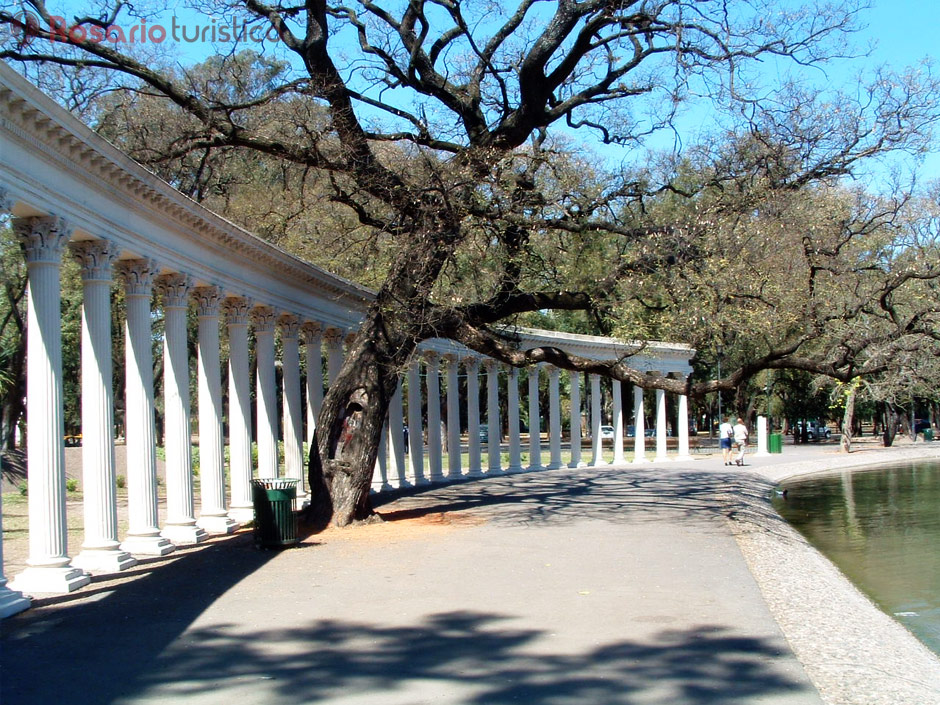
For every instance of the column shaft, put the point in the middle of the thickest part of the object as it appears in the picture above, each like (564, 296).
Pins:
(293, 414)
(265, 391)
(415, 427)
(313, 344)
(396, 440)
(535, 420)
(618, 421)
(143, 533)
(493, 426)
(473, 416)
(435, 471)
(554, 417)
(639, 421)
(454, 464)
(515, 446)
(239, 408)
(575, 381)
(101, 550)
(661, 454)
(597, 443)
(48, 564)
(180, 525)
(684, 427)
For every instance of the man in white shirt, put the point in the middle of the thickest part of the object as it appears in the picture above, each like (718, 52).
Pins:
(740, 440)
(725, 436)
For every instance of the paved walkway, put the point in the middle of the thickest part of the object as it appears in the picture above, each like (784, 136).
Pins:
(592, 586)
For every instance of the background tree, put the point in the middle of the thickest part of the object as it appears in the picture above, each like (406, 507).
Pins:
(446, 130)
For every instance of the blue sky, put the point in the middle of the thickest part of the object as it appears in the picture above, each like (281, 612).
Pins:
(902, 31)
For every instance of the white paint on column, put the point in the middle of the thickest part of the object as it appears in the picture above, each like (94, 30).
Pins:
(575, 382)
(454, 470)
(435, 471)
(515, 444)
(237, 313)
(554, 418)
(597, 443)
(661, 454)
(101, 551)
(180, 527)
(48, 568)
(289, 328)
(535, 420)
(616, 386)
(493, 424)
(143, 533)
(334, 353)
(684, 428)
(473, 416)
(396, 440)
(762, 439)
(263, 318)
(415, 426)
(639, 426)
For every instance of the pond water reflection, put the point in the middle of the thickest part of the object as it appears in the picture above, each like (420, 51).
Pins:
(882, 528)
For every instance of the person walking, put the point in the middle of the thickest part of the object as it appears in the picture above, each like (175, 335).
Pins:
(740, 440)
(725, 436)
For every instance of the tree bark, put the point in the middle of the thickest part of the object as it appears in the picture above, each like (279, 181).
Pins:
(891, 425)
(848, 422)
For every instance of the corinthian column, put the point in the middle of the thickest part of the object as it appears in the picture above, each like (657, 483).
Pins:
(618, 421)
(575, 380)
(237, 311)
(454, 470)
(435, 471)
(289, 327)
(213, 516)
(181, 525)
(101, 551)
(661, 455)
(494, 428)
(597, 443)
(473, 416)
(515, 446)
(143, 532)
(535, 421)
(334, 353)
(554, 417)
(396, 439)
(48, 564)
(263, 318)
(639, 424)
(415, 431)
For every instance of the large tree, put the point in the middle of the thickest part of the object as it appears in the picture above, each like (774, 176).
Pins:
(452, 131)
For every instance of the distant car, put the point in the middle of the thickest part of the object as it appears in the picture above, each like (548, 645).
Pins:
(72, 440)
(815, 431)
(607, 431)
(648, 432)
(484, 433)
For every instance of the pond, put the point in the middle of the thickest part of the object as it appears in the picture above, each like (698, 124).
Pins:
(882, 529)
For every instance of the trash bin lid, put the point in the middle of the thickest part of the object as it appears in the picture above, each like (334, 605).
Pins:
(275, 483)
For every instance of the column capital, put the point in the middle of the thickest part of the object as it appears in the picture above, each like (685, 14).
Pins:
(451, 359)
(95, 258)
(351, 337)
(137, 275)
(554, 372)
(288, 325)
(490, 364)
(263, 318)
(431, 357)
(174, 288)
(44, 237)
(533, 370)
(237, 309)
(472, 363)
(312, 332)
(333, 335)
(208, 301)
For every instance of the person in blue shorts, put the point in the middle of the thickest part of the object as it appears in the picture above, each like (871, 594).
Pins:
(725, 435)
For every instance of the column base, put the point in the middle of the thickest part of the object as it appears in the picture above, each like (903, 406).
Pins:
(404, 484)
(185, 534)
(223, 524)
(761, 454)
(475, 473)
(684, 458)
(242, 514)
(640, 460)
(513, 470)
(619, 461)
(52, 580)
(422, 482)
(494, 471)
(598, 463)
(555, 465)
(12, 602)
(662, 459)
(451, 476)
(577, 464)
(104, 561)
(153, 545)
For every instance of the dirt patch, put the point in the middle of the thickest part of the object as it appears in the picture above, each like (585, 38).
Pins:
(398, 526)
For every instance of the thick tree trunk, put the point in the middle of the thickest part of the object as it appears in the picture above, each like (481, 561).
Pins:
(891, 425)
(848, 422)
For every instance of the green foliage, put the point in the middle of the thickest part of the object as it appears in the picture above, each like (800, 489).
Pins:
(71, 484)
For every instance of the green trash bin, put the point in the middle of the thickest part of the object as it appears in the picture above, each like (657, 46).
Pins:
(928, 434)
(775, 443)
(275, 522)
